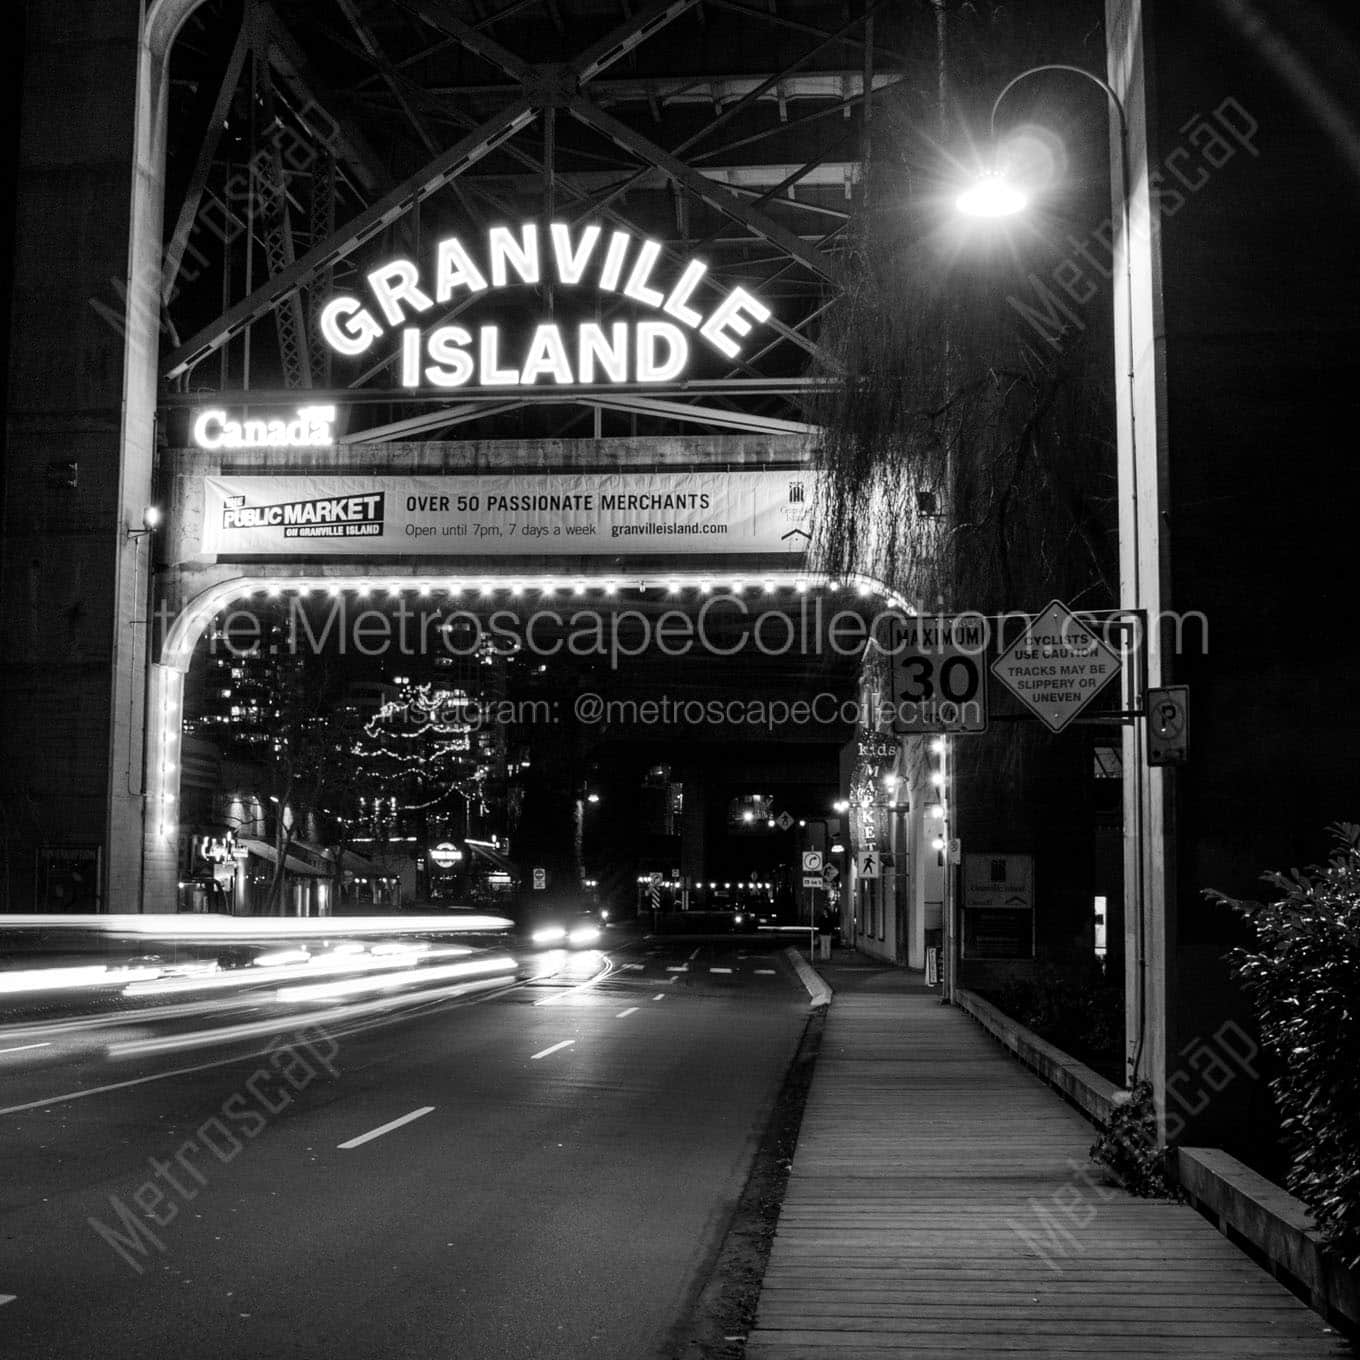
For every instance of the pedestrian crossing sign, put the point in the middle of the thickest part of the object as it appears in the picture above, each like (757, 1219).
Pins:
(869, 863)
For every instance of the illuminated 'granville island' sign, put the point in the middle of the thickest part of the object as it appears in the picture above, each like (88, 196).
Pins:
(450, 355)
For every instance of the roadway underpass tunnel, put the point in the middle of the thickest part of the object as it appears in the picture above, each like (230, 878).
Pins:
(687, 751)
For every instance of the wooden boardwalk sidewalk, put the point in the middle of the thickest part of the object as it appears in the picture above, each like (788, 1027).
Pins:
(942, 1204)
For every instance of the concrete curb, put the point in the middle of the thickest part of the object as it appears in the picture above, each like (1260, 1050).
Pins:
(818, 988)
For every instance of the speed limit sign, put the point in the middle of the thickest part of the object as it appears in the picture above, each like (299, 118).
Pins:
(939, 672)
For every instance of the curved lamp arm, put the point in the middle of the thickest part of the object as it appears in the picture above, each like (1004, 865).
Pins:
(1062, 66)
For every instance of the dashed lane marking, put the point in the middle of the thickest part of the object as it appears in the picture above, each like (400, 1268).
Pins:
(695, 955)
(660, 996)
(623, 1015)
(677, 968)
(769, 972)
(385, 1128)
(21, 1048)
(543, 1053)
(719, 970)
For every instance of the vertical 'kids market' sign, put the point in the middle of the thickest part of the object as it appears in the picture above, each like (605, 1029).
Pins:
(401, 298)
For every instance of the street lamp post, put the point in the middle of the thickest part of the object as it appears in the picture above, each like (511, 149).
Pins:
(1147, 849)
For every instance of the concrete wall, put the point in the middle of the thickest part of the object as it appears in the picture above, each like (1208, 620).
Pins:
(81, 391)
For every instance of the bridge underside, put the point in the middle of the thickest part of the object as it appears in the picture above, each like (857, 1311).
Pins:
(247, 165)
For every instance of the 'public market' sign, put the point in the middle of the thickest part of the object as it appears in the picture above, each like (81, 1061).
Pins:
(516, 515)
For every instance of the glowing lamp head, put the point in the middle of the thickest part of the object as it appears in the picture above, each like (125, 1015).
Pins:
(991, 195)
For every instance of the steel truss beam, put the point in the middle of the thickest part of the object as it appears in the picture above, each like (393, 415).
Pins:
(373, 49)
(346, 140)
(322, 222)
(716, 195)
(207, 151)
(413, 426)
(757, 91)
(267, 173)
(751, 11)
(426, 181)
(601, 209)
(388, 209)
(401, 88)
(259, 398)
(703, 415)
(436, 13)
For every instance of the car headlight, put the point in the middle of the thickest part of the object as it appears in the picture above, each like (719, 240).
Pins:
(548, 934)
(584, 935)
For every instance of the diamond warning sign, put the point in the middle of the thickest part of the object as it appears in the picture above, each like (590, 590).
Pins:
(1056, 666)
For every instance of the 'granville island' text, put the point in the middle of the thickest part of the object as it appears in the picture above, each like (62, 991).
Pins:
(648, 351)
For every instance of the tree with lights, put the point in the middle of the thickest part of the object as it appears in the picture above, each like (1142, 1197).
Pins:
(418, 762)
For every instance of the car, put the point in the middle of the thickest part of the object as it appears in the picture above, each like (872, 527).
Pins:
(559, 928)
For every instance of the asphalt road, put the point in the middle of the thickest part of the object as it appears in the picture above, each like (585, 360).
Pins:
(567, 1163)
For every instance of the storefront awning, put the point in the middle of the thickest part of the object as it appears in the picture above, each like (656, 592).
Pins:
(291, 863)
(490, 855)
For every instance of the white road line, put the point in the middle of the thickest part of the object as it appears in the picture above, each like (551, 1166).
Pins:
(623, 1015)
(385, 1128)
(605, 971)
(695, 955)
(769, 972)
(719, 970)
(677, 968)
(673, 979)
(566, 1043)
(633, 965)
(20, 1049)
(660, 996)
(7, 1298)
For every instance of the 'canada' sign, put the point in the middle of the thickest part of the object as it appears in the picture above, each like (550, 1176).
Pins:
(654, 350)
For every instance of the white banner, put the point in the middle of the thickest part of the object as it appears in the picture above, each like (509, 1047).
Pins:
(616, 513)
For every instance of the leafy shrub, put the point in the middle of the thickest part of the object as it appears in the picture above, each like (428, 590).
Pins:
(1303, 979)
(1129, 1146)
(1082, 1015)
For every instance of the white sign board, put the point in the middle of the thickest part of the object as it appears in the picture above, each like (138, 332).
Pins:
(446, 854)
(939, 674)
(869, 864)
(1056, 666)
(540, 879)
(998, 907)
(620, 514)
(813, 881)
(812, 861)
(1168, 719)
(998, 882)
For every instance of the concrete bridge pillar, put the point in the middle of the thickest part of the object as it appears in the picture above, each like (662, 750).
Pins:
(74, 586)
